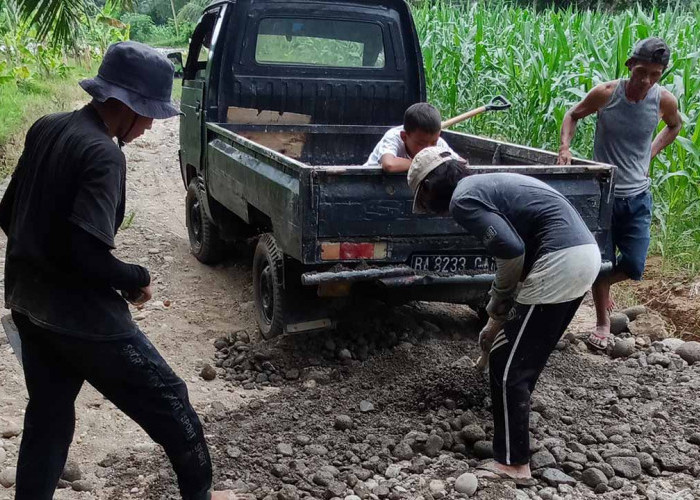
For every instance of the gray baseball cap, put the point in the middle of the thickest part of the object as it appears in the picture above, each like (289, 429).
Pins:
(137, 75)
(425, 162)
(653, 50)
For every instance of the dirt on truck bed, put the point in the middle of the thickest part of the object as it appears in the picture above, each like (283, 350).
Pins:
(387, 406)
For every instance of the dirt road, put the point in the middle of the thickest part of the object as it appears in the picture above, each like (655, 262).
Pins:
(388, 406)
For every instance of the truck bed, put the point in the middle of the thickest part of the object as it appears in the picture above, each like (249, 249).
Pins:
(319, 190)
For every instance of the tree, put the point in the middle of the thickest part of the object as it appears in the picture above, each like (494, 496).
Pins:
(59, 19)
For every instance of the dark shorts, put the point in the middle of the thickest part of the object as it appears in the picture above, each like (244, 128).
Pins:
(628, 240)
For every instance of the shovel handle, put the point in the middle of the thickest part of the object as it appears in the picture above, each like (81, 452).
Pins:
(498, 103)
(462, 117)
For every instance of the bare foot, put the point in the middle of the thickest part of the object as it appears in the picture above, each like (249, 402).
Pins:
(230, 495)
(520, 471)
(520, 474)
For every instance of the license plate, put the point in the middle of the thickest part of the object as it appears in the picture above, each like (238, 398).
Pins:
(453, 264)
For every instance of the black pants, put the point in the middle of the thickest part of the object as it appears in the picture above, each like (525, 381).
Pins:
(518, 356)
(132, 375)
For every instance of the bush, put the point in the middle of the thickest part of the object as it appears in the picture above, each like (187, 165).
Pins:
(141, 26)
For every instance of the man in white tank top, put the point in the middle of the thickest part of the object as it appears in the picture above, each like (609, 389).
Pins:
(628, 112)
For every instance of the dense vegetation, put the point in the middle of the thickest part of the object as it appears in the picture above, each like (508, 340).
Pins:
(546, 60)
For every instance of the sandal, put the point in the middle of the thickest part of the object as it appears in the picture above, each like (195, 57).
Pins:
(599, 340)
(489, 470)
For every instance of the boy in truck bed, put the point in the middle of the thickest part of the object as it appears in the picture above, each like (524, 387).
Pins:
(421, 129)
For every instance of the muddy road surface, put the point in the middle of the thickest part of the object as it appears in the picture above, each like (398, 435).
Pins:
(386, 406)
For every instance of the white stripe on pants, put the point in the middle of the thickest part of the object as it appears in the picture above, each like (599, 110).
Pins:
(505, 382)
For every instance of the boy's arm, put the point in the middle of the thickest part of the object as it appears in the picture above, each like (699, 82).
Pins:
(393, 164)
(592, 103)
(673, 121)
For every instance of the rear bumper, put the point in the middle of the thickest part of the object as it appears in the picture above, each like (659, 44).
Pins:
(393, 277)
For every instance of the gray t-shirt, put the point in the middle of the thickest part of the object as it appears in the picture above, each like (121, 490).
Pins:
(516, 215)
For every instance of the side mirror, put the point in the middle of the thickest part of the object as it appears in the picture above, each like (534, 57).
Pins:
(176, 59)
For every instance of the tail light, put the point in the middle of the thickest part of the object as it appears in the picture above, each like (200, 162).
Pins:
(353, 251)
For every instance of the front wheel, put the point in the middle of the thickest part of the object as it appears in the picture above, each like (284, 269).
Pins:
(268, 287)
(205, 243)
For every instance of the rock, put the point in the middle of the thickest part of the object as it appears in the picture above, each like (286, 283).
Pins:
(82, 485)
(473, 433)
(9, 429)
(672, 344)
(436, 487)
(352, 497)
(656, 358)
(344, 355)
(316, 449)
(292, 374)
(542, 459)
(323, 478)
(433, 445)
(483, 449)
(63, 484)
(208, 372)
(649, 325)
(285, 449)
(555, 477)
(3, 456)
(619, 429)
(233, 452)
(674, 462)
(618, 323)
(594, 477)
(695, 439)
(336, 489)
(463, 362)
(623, 348)
(392, 472)
(366, 406)
(71, 472)
(633, 312)
(466, 484)
(343, 422)
(288, 492)
(403, 451)
(577, 458)
(690, 352)
(8, 477)
(627, 467)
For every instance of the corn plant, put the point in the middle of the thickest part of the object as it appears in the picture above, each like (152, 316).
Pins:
(545, 61)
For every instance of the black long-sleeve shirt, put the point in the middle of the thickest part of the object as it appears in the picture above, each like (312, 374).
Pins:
(61, 211)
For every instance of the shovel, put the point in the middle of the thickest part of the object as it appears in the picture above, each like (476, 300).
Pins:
(12, 336)
(498, 103)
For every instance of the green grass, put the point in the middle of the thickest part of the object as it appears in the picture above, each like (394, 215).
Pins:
(23, 103)
(544, 62)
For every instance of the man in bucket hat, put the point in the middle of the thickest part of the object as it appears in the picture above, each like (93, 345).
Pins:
(68, 293)
(628, 112)
(536, 236)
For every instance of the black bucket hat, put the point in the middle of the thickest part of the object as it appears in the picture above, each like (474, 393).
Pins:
(653, 50)
(137, 75)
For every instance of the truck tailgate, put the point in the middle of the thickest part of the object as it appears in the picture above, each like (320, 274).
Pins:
(365, 203)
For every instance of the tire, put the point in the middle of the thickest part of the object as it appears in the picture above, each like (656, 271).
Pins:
(268, 287)
(205, 243)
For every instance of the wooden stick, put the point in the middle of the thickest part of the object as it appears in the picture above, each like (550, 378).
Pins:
(462, 117)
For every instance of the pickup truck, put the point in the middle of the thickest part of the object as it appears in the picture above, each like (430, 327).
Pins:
(282, 102)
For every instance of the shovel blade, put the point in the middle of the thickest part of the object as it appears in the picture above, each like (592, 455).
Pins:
(12, 336)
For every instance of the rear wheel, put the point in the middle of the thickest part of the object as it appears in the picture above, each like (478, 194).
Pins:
(268, 287)
(205, 242)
